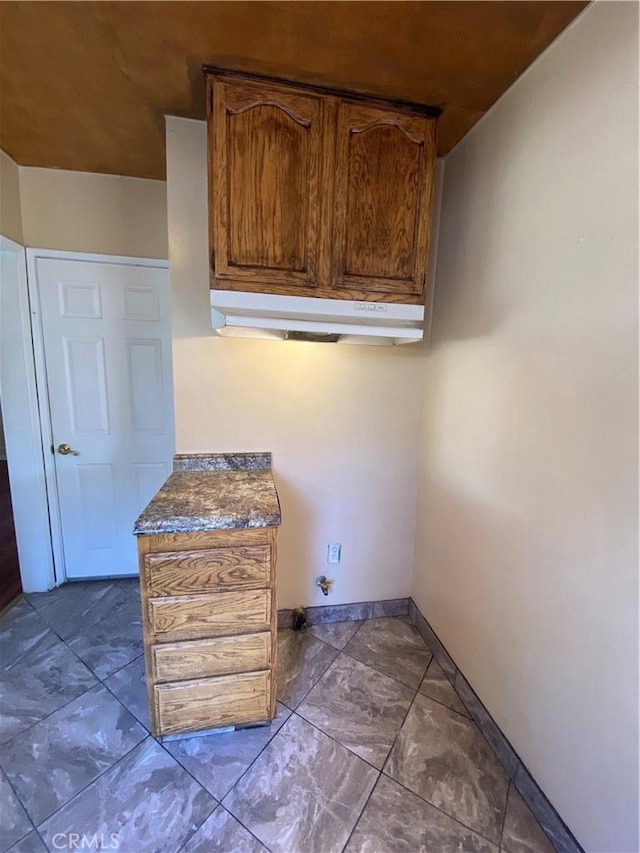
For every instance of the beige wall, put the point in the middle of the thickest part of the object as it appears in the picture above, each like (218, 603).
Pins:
(342, 421)
(10, 215)
(85, 212)
(527, 540)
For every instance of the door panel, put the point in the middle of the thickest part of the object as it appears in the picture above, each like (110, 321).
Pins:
(268, 169)
(86, 385)
(97, 504)
(146, 385)
(263, 203)
(381, 201)
(141, 303)
(384, 172)
(80, 300)
(107, 359)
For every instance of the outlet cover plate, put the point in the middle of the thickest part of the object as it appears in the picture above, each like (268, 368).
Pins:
(333, 552)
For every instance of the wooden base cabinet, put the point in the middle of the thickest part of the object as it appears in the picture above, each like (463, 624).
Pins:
(209, 624)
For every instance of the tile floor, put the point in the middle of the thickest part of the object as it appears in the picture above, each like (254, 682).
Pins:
(372, 750)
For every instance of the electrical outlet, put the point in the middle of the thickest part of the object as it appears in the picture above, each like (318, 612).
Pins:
(333, 552)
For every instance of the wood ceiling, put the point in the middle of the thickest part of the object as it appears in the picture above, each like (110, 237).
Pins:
(85, 85)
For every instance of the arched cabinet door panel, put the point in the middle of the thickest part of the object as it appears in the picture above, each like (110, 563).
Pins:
(383, 180)
(266, 164)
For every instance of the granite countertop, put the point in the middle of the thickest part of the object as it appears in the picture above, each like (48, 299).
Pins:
(213, 491)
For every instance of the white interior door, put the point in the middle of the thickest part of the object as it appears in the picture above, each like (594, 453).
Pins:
(106, 342)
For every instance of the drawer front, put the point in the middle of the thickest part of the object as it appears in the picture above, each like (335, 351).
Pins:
(211, 702)
(210, 615)
(204, 540)
(202, 571)
(243, 653)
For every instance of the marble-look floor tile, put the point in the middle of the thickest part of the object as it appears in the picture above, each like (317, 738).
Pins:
(129, 585)
(71, 605)
(59, 756)
(336, 634)
(113, 643)
(21, 631)
(394, 819)
(304, 792)
(522, 833)
(14, 823)
(441, 756)
(392, 647)
(217, 761)
(31, 843)
(221, 833)
(146, 800)
(359, 707)
(47, 677)
(436, 685)
(302, 660)
(129, 684)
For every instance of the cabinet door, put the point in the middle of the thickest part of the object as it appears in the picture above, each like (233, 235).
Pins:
(384, 173)
(266, 164)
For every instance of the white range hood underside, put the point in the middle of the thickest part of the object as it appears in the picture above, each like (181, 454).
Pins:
(258, 315)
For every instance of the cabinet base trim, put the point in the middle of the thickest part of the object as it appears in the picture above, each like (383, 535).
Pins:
(220, 730)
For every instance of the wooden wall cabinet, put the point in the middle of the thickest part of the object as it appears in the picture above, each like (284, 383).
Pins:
(209, 627)
(313, 193)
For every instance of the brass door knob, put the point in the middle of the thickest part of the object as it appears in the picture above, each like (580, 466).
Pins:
(66, 450)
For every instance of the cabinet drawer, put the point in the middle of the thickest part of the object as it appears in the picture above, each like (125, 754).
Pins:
(243, 653)
(210, 615)
(205, 540)
(210, 702)
(201, 571)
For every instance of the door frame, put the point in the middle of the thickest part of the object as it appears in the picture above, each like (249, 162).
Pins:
(42, 389)
(21, 422)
